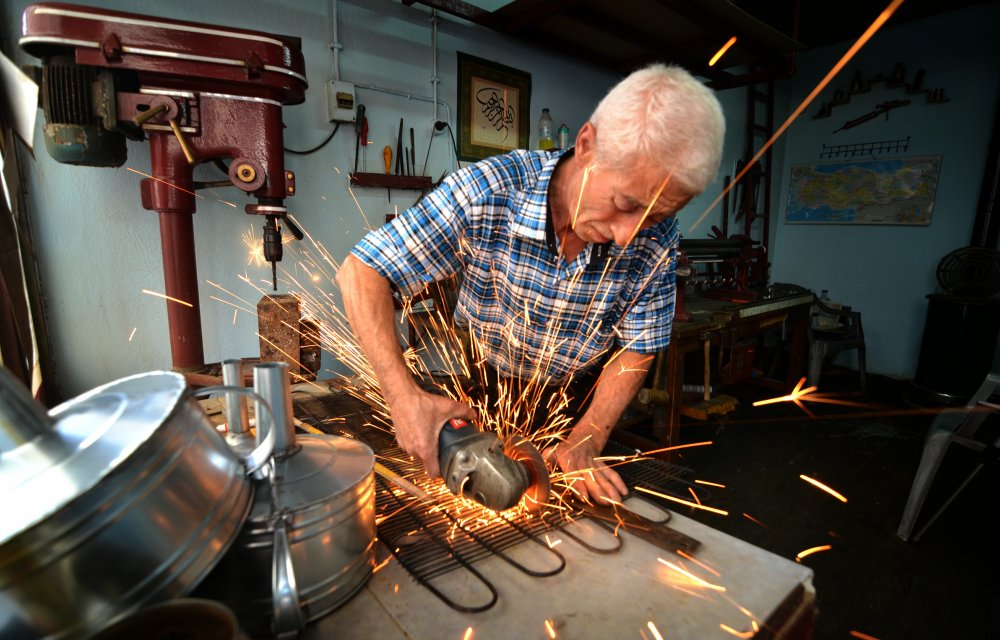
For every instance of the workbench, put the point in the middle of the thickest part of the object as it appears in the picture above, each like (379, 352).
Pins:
(726, 325)
(595, 596)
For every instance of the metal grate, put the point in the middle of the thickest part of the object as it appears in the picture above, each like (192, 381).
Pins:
(430, 541)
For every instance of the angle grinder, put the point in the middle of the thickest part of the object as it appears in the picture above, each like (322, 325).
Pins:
(476, 465)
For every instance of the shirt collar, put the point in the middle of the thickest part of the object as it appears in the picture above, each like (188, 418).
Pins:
(531, 214)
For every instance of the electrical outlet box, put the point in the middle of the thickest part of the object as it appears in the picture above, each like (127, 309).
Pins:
(340, 101)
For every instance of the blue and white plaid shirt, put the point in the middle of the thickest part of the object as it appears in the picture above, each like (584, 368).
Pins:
(532, 313)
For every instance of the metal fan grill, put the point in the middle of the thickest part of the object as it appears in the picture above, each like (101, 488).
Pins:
(970, 271)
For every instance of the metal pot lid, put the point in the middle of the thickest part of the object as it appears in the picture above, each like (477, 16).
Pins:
(323, 468)
(86, 439)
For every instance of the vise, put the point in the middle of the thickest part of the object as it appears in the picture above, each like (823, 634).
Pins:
(201, 93)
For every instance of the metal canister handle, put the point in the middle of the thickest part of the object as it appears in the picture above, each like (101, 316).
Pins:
(262, 453)
(288, 618)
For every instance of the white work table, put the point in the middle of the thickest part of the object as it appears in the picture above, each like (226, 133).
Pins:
(594, 596)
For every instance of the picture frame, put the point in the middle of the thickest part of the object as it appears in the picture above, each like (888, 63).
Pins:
(493, 108)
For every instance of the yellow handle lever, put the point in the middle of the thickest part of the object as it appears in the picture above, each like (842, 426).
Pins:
(387, 157)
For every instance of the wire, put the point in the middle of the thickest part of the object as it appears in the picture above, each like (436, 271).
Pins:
(453, 144)
(317, 147)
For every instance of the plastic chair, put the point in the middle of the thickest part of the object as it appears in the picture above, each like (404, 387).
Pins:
(843, 332)
(947, 428)
(840, 331)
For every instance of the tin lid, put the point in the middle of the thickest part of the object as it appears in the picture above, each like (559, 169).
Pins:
(324, 468)
(78, 444)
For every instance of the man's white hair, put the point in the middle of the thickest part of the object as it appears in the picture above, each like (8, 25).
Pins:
(662, 114)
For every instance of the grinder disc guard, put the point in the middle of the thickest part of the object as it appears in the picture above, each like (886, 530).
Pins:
(522, 451)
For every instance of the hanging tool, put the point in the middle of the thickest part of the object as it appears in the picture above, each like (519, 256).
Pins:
(476, 464)
(880, 108)
(358, 124)
(364, 145)
(413, 154)
(387, 159)
(399, 149)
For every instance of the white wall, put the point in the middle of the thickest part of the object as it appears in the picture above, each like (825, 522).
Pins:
(98, 248)
(885, 271)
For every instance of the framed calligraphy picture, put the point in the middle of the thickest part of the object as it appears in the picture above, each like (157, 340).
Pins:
(493, 108)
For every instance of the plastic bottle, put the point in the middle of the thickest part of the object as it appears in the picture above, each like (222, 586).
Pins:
(545, 140)
(563, 136)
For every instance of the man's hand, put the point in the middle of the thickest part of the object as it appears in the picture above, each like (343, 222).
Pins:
(417, 415)
(418, 418)
(590, 479)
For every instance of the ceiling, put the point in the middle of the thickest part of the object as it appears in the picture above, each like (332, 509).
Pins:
(625, 34)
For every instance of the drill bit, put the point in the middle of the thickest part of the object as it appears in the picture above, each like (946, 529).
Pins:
(272, 247)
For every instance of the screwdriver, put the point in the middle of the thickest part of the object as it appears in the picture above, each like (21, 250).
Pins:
(364, 145)
(358, 124)
(387, 157)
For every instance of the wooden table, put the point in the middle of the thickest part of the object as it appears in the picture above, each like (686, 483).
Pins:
(726, 325)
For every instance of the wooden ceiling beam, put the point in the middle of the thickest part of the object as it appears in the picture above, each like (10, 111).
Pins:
(458, 8)
(712, 25)
(520, 14)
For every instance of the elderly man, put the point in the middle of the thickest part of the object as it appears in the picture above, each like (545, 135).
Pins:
(564, 257)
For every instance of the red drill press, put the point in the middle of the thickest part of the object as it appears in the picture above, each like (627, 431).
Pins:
(201, 93)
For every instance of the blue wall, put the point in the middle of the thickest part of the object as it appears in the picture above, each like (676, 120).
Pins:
(98, 248)
(885, 271)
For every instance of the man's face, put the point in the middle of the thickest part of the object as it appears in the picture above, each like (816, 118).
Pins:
(615, 204)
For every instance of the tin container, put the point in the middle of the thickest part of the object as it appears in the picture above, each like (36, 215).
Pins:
(122, 497)
(309, 542)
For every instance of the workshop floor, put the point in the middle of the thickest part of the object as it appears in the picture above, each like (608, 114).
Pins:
(870, 581)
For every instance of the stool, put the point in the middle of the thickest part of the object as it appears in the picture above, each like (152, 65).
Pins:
(948, 428)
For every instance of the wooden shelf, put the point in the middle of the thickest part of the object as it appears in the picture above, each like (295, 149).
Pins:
(389, 181)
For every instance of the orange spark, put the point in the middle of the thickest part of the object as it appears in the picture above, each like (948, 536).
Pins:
(381, 565)
(691, 558)
(753, 519)
(579, 199)
(865, 37)
(653, 630)
(676, 447)
(796, 393)
(694, 495)
(165, 182)
(730, 630)
(812, 550)
(711, 484)
(862, 636)
(720, 52)
(166, 297)
(132, 335)
(645, 214)
(550, 629)
(822, 486)
(698, 581)
(395, 588)
(468, 634)
(690, 504)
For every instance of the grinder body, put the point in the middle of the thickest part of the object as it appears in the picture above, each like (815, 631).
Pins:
(475, 465)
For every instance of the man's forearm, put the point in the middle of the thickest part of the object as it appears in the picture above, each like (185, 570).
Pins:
(618, 384)
(372, 316)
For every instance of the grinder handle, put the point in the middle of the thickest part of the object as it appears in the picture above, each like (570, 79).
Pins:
(453, 434)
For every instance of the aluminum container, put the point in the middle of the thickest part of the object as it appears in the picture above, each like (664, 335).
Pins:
(309, 542)
(122, 497)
